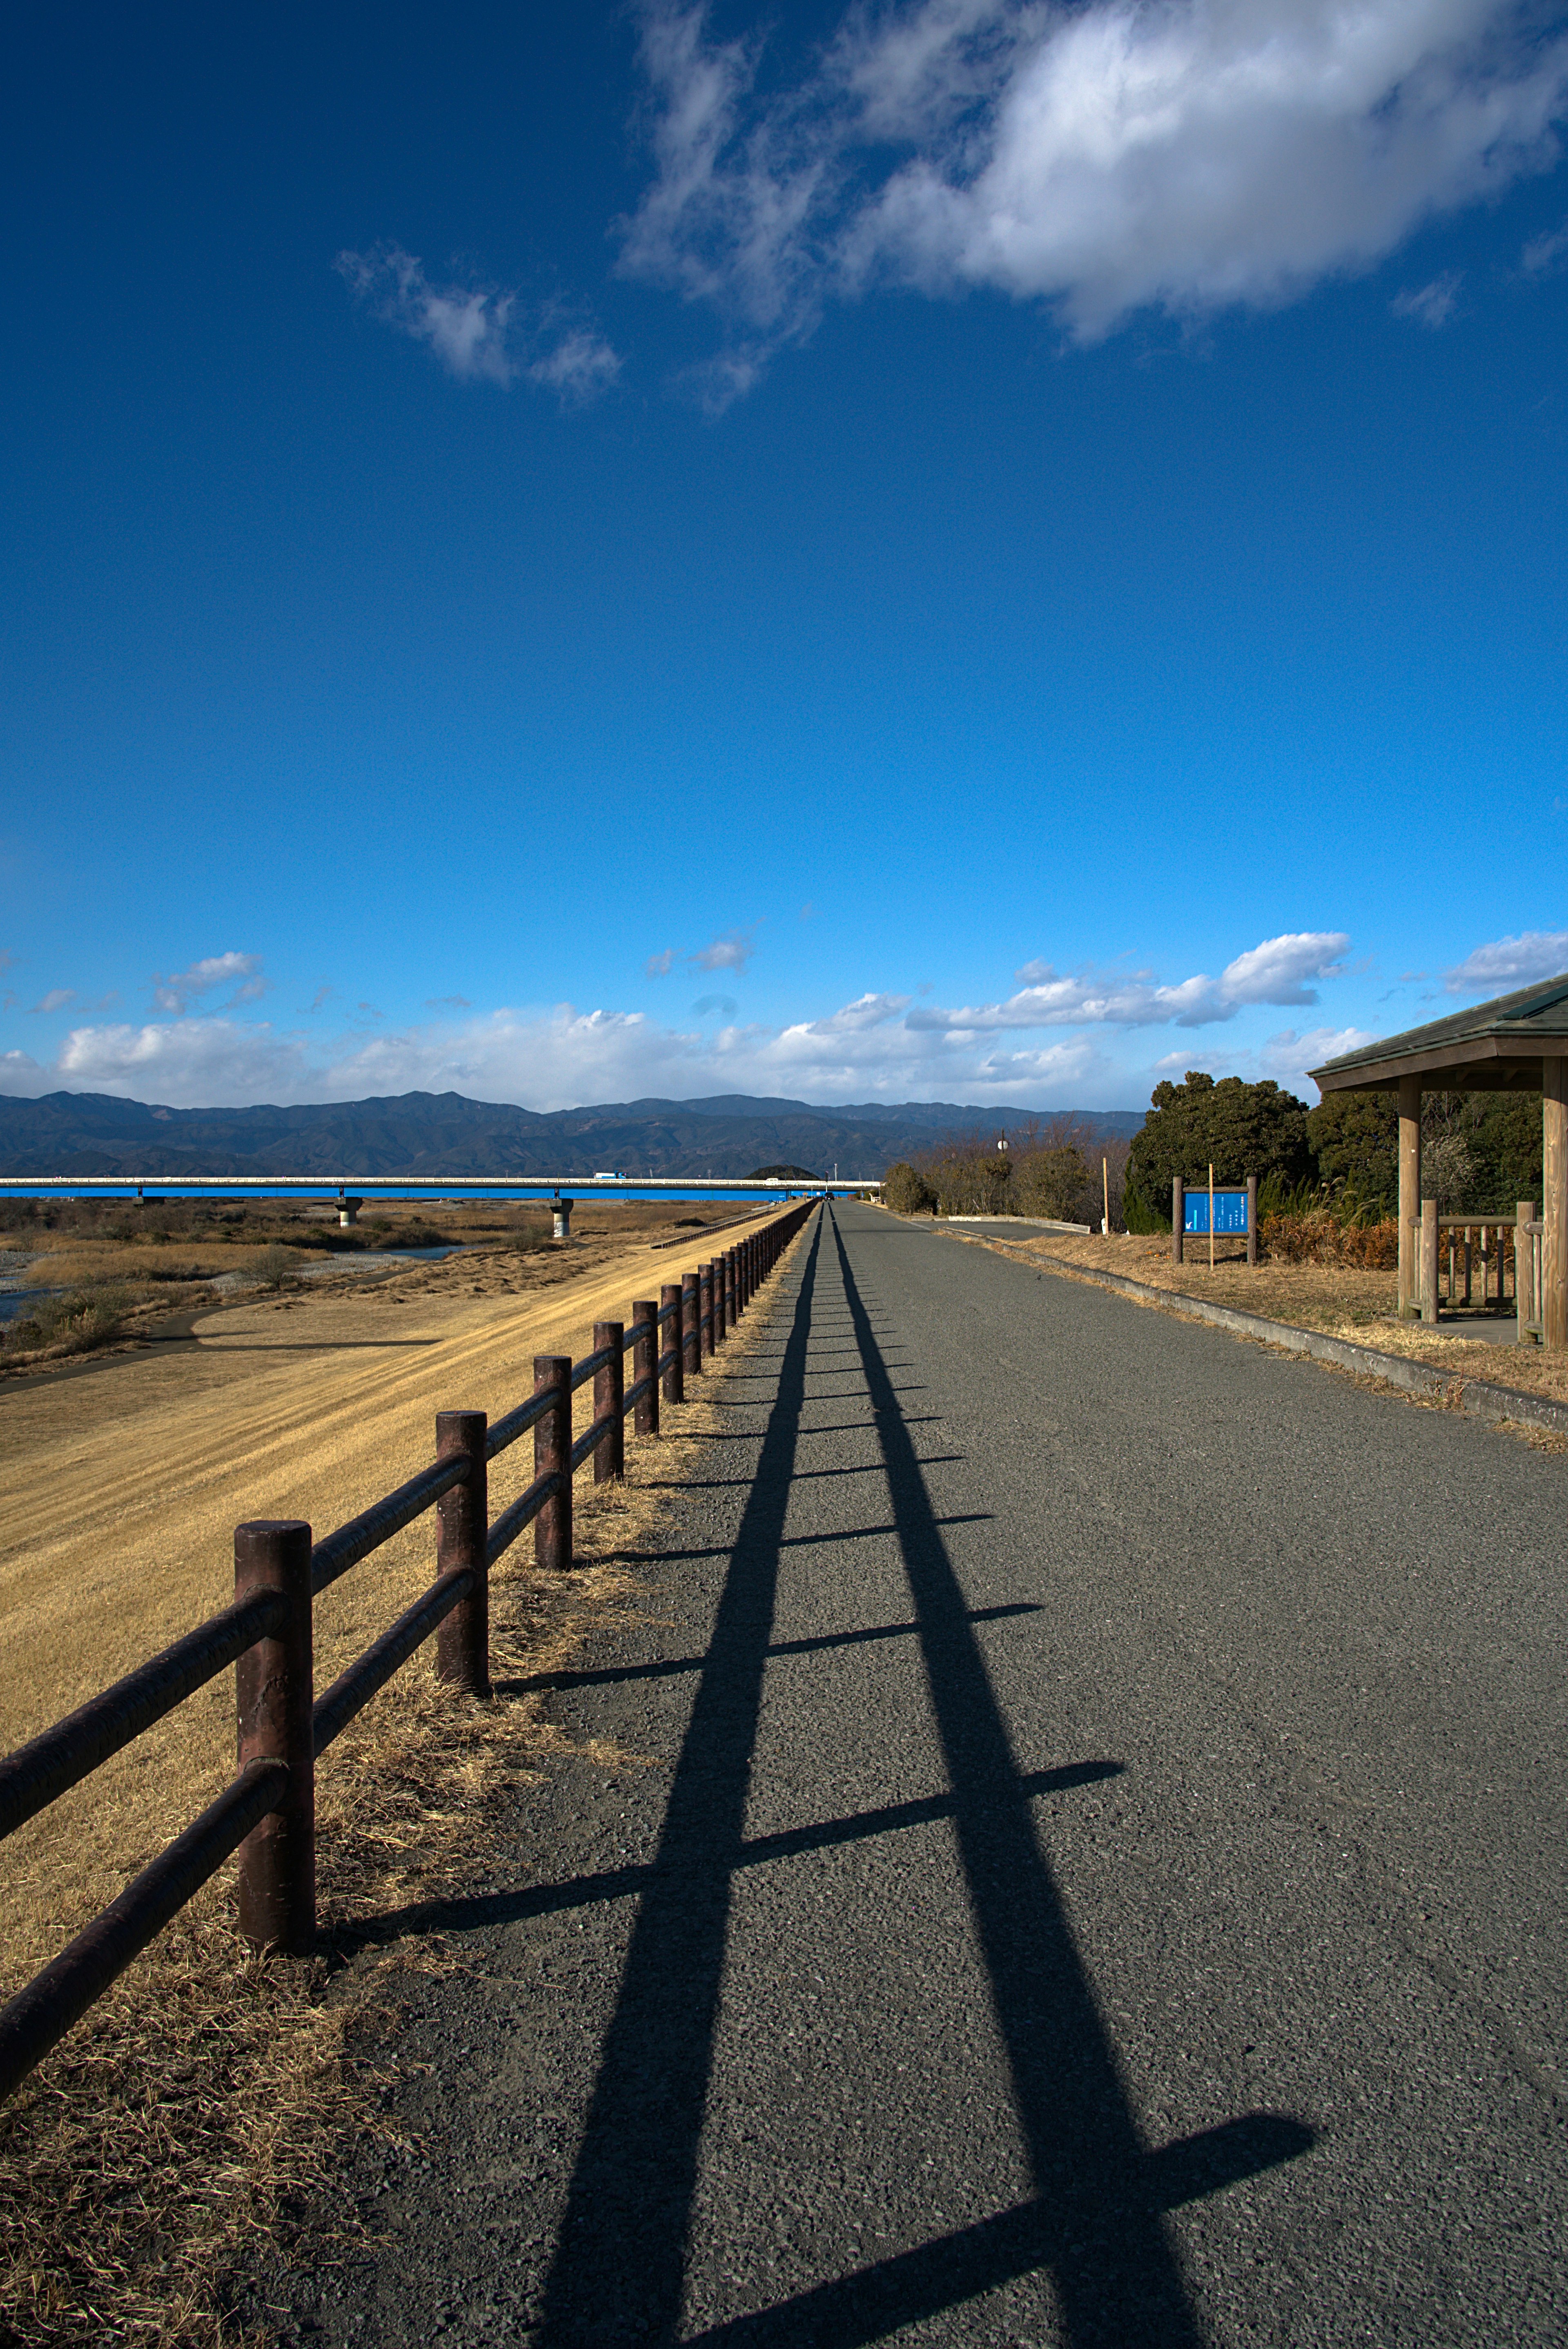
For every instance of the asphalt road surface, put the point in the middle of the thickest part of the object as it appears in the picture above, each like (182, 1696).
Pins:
(1100, 1880)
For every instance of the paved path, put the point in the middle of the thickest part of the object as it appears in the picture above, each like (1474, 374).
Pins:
(1102, 1882)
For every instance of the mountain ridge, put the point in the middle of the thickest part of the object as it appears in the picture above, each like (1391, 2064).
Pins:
(426, 1137)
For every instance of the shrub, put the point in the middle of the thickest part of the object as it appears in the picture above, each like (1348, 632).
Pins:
(72, 1320)
(1319, 1237)
(273, 1266)
(906, 1192)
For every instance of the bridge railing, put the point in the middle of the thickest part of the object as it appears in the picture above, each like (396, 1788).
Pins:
(267, 1811)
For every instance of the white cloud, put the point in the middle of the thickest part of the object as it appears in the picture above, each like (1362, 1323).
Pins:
(866, 1011)
(1102, 159)
(54, 1001)
(241, 971)
(1274, 972)
(1432, 304)
(478, 333)
(1508, 963)
(1287, 1056)
(659, 965)
(731, 952)
(1277, 971)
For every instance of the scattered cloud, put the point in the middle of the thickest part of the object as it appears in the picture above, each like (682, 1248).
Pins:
(1545, 254)
(659, 965)
(731, 952)
(241, 971)
(1510, 962)
(478, 333)
(808, 911)
(323, 995)
(1103, 158)
(879, 1046)
(54, 1001)
(448, 1003)
(1433, 305)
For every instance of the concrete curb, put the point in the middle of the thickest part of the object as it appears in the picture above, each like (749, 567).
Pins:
(1478, 1397)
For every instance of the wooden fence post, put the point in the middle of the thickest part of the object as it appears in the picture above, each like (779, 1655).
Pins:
(1252, 1220)
(1178, 1216)
(1524, 1272)
(462, 1525)
(673, 1293)
(691, 1322)
(276, 1693)
(609, 1392)
(646, 1364)
(552, 1456)
(1429, 1260)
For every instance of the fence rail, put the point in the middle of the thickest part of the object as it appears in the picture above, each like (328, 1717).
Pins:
(1483, 1242)
(267, 1812)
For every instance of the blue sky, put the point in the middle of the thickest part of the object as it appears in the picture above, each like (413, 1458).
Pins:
(971, 550)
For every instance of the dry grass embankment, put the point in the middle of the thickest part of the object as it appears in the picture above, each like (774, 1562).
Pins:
(1338, 1300)
(178, 2118)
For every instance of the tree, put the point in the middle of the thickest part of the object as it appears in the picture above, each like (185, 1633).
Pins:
(905, 1192)
(1355, 1138)
(1238, 1129)
(1052, 1182)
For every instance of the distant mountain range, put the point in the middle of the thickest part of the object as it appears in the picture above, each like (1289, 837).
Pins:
(425, 1136)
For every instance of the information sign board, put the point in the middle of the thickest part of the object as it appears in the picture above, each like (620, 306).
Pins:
(1230, 1212)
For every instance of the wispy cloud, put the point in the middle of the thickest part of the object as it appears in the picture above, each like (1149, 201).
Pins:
(1544, 253)
(240, 971)
(659, 965)
(479, 333)
(579, 368)
(55, 1000)
(1102, 159)
(1510, 962)
(1431, 305)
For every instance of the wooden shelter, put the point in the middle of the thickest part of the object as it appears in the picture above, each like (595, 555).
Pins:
(1516, 1043)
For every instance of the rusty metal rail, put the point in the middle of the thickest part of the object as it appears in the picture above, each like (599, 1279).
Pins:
(267, 1812)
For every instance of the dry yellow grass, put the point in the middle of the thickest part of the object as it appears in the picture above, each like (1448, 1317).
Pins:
(139, 2166)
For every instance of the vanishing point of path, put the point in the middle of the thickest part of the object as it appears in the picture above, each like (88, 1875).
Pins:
(1086, 1868)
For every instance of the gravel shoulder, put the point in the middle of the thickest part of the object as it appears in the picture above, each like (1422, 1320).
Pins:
(1064, 1847)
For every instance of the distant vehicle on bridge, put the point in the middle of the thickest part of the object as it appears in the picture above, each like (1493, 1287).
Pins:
(608, 1174)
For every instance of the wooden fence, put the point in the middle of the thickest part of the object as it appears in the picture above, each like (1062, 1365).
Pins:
(267, 1812)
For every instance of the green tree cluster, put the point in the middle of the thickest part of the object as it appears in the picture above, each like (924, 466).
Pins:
(1237, 1128)
(1480, 1150)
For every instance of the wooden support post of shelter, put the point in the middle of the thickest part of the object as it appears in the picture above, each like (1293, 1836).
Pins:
(1516, 1043)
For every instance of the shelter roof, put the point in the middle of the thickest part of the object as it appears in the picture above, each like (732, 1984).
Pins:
(1494, 1047)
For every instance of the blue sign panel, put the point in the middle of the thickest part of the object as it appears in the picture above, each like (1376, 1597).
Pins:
(1230, 1212)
